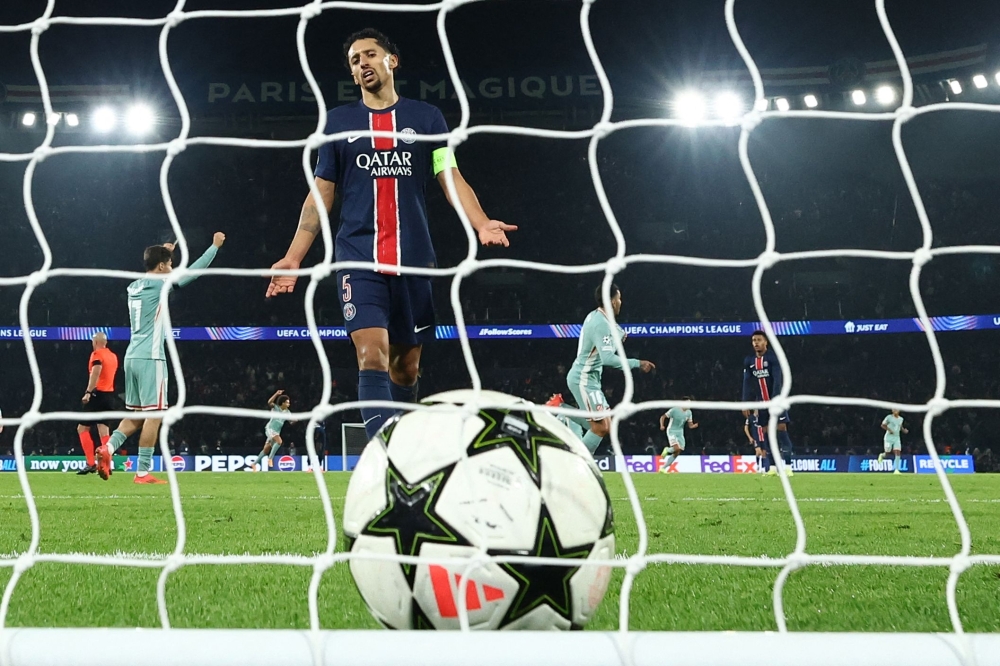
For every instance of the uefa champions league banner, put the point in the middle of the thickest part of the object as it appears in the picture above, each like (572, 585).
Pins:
(530, 331)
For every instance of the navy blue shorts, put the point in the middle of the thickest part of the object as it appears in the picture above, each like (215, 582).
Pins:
(757, 432)
(401, 304)
(764, 417)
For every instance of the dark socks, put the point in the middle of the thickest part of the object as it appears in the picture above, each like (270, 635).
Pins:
(374, 385)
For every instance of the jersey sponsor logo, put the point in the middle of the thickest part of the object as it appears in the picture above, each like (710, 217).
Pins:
(386, 163)
(178, 463)
(349, 311)
(409, 135)
(286, 463)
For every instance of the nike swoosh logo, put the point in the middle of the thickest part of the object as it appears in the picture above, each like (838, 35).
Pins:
(352, 139)
(372, 418)
(417, 329)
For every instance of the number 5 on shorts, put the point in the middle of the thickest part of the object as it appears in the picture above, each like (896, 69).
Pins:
(346, 288)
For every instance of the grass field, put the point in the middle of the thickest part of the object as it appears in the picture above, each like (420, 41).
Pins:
(712, 514)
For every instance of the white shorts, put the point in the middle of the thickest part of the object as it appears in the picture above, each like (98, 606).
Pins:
(676, 440)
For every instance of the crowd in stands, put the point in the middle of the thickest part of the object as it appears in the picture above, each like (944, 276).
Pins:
(255, 199)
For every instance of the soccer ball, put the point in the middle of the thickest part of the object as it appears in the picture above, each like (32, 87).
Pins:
(446, 485)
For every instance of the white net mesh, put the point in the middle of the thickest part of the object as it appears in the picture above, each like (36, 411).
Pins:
(633, 565)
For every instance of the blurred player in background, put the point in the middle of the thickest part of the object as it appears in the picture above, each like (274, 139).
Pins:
(99, 397)
(383, 219)
(279, 402)
(755, 435)
(673, 423)
(595, 350)
(762, 380)
(893, 425)
(145, 358)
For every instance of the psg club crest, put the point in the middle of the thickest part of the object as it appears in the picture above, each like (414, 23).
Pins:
(409, 135)
(349, 311)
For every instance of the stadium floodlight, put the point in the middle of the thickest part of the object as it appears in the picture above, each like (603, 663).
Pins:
(72, 119)
(105, 119)
(54, 118)
(979, 80)
(139, 119)
(998, 78)
(689, 106)
(762, 103)
(728, 106)
(858, 97)
(811, 101)
(885, 95)
(28, 119)
(782, 104)
(956, 86)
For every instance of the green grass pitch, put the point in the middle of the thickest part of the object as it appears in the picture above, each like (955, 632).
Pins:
(710, 514)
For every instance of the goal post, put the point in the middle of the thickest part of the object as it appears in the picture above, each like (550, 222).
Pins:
(352, 442)
(284, 647)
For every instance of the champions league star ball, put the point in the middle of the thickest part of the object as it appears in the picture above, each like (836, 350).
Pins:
(445, 485)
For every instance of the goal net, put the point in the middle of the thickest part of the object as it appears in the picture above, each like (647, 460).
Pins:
(24, 646)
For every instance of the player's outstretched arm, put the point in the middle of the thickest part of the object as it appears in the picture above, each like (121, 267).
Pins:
(491, 232)
(205, 260)
(305, 234)
(270, 401)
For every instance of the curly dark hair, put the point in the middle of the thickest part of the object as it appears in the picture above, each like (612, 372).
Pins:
(370, 33)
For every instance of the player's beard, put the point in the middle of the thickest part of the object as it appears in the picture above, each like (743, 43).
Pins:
(375, 86)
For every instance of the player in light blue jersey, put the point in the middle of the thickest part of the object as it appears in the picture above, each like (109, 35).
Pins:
(674, 422)
(595, 350)
(893, 425)
(279, 402)
(146, 359)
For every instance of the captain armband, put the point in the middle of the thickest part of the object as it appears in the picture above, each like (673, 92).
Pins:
(443, 158)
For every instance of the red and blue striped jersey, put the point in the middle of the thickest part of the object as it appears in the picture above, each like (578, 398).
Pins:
(383, 181)
(762, 377)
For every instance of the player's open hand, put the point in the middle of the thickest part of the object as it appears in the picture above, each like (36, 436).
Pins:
(170, 246)
(493, 233)
(646, 366)
(282, 284)
(218, 239)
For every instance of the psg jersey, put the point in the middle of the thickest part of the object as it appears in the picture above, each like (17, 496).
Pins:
(382, 181)
(762, 377)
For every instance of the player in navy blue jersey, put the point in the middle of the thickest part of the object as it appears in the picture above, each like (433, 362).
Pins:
(383, 219)
(762, 380)
(755, 435)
